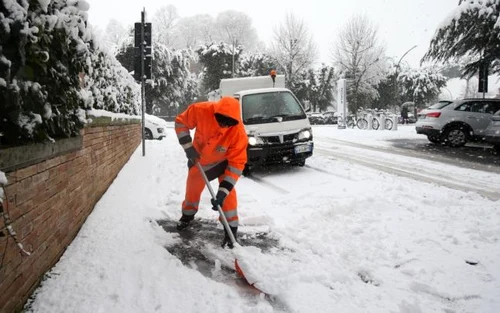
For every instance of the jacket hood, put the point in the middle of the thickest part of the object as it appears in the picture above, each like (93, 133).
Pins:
(230, 107)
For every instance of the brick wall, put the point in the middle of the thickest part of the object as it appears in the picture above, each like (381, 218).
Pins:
(49, 201)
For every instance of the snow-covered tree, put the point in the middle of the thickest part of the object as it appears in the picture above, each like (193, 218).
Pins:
(471, 30)
(193, 31)
(172, 85)
(43, 48)
(316, 86)
(109, 86)
(360, 56)
(115, 36)
(421, 86)
(235, 28)
(217, 62)
(293, 47)
(256, 64)
(163, 25)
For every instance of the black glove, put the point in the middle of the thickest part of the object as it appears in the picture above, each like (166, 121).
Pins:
(219, 200)
(192, 154)
(227, 240)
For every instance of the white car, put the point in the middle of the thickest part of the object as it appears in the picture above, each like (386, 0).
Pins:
(154, 127)
(458, 122)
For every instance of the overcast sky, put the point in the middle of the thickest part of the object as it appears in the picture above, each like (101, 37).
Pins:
(402, 23)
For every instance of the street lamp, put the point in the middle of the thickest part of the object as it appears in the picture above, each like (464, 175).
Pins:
(396, 87)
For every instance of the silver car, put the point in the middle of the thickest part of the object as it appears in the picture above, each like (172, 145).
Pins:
(458, 122)
(492, 132)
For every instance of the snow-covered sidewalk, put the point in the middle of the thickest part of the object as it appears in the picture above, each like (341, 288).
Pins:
(351, 239)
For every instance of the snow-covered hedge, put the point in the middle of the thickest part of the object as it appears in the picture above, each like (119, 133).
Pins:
(45, 46)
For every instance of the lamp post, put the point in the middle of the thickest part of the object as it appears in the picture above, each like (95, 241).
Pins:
(396, 87)
(232, 71)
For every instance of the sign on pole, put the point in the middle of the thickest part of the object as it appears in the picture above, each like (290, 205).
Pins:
(342, 103)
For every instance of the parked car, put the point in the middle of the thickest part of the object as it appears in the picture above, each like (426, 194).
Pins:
(154, 127)
(458, 122)
(492, 132)
(316, 118)
(330, 117)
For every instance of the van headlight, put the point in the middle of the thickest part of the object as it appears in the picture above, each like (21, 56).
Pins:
(255, 140)
(305, 134)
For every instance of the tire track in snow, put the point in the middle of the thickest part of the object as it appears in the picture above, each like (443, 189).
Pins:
(487, 189)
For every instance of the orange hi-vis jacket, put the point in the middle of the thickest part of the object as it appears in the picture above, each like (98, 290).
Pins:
(215, 144)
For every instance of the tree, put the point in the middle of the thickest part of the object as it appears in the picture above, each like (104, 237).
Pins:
(292, 47)
(190, 32)
(163, 25)
(256, 64)
(217, 62)
(359, 55)
(471, 30)
(235, 28)
(316, 87)
(114, 36)
(386, 89)
(44, 47)
(421, 86)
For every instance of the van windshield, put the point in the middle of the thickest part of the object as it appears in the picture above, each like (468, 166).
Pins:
(271, 107)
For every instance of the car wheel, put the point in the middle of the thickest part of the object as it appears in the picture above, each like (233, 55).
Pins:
(455, 136)
(148, 134)
(434, 139)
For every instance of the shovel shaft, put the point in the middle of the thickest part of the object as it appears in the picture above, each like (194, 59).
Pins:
(214, 197)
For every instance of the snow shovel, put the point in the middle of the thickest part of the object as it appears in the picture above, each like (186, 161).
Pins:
(239, 270)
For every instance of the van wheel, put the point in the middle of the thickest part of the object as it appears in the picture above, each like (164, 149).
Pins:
(455, 136)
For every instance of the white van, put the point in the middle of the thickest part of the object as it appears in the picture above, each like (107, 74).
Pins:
(276, 124)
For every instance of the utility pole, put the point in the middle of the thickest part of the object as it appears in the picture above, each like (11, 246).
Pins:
(232, 72)
(142, 64)
(396, 87)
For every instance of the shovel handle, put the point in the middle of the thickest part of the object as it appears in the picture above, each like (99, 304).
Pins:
(214, 197)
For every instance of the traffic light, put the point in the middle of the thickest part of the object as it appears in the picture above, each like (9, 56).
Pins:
(137, 64)
(147, 34)
(146, 53)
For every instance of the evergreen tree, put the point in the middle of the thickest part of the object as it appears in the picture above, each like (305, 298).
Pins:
(172, 85)
(217, 62)
(473, 30)
(421, 86)
(316, 87)
(43, 49)
(256, 65)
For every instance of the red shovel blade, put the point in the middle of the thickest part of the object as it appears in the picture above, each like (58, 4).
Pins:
(240, 272)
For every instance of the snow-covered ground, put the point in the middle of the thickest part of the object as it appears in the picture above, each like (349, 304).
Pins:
(350, 239)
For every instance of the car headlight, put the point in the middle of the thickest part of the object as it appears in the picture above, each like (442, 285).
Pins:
(254, 140)
(305, 134)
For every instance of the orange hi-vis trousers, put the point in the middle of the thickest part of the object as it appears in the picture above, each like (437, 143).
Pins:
(194, 187)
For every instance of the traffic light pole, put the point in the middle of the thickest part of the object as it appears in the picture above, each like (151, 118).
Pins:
(143, 88)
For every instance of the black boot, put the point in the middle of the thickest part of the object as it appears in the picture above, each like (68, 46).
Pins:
(184, 221)
(227, 240)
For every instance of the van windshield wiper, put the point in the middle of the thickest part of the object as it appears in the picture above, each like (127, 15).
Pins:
(287, 116)
(259, 118)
